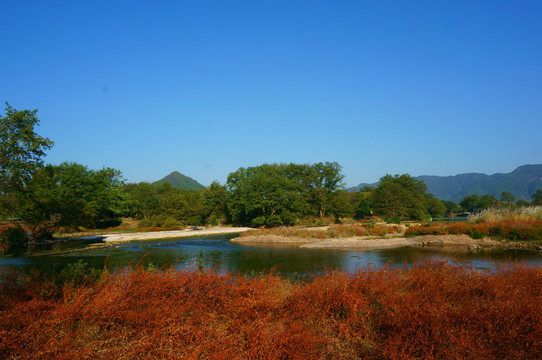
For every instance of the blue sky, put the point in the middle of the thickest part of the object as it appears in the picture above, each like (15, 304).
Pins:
(206, 87)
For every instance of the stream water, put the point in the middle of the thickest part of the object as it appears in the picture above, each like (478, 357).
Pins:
(217, 251)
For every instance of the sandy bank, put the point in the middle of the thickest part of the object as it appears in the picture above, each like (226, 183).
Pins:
(364, 242)
(164, 234)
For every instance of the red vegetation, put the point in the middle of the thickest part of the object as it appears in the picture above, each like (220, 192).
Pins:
(432, 311)
(508, 229)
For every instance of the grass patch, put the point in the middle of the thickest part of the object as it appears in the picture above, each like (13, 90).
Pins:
(335, 231)
(515, 230)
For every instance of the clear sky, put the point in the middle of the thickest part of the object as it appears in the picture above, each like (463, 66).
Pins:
(206, 87)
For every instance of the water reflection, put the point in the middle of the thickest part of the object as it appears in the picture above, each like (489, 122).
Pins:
(218, 252)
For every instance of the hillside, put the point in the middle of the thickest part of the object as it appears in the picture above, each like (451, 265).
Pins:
(522, 183)
(180, 181)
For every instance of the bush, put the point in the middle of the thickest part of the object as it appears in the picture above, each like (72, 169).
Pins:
(161, 221)
(14, 236)
(393, 220)
(522, 230)
(430, 311)
(108, 223)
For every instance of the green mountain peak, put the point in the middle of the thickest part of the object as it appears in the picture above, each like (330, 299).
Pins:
(180, 181)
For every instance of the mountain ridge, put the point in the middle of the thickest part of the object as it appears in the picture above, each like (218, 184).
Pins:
(522, 183)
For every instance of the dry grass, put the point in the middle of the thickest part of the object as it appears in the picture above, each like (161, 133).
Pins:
(431, 311)
(503, 213)
(335, 231)
(511, 229)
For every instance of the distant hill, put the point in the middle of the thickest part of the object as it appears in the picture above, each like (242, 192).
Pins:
(180, 181)
(522, 183)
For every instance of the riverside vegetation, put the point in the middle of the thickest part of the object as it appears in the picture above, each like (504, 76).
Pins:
(38, 200)
(432, 310)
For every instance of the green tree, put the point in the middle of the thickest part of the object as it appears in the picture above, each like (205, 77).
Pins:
(508, 198)
(365, 206)
(214, 204)
(470, 203)
(452, 208)
(21, 153)
(488, 201)
(434, 206)
(68, 195)
(400, 196)
(536, 199)
(324, 182)
(268, 194)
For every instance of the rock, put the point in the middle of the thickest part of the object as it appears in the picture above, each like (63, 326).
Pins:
(474, 247)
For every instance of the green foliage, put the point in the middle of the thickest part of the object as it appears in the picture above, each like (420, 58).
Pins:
(400, 196)
(68, 195)
(475, 203)
(21, 149)
(273, 194)
(144, 200)
(13, 236)
(434, 207)
(78, 273)
(507, 197)
(536, 199)
(452, 208)
(470, 203)
(214, 204)
(21, 153)
(161, 221)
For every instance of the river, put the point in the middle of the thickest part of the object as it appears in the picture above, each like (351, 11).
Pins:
(218, 252)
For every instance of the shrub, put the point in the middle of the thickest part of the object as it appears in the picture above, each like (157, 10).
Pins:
(160, 221)
(430, 311)
(14, 236)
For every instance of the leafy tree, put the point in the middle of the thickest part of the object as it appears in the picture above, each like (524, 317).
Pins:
(69, 195)
(365, 206)
(536, 199)
(263, 195)
(488, 201)
(214, 203)
(507, 198)
(324, 180)
(21, 152)
(522, 203)
(143, 199)
(452, 208)
(434, 206)
(400, 196)
(470, 203)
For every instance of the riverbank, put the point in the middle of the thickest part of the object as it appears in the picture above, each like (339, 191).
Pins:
(368, 242)
(152, 235)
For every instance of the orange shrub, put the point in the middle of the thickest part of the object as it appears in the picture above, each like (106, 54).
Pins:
(432, 310)
(508, 229)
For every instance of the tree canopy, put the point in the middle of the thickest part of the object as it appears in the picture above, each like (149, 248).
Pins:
(21, 148)
(276, 194)
(400, 196)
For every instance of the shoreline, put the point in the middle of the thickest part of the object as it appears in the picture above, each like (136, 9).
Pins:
(371, 242)
(348, 243)
(155, 235)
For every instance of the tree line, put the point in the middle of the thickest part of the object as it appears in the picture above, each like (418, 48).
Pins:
(41, 199)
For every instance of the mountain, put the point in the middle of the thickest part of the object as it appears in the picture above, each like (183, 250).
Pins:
(180, 181)
(522, 183)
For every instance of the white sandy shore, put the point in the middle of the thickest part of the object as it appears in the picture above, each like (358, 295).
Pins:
(121, 237)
